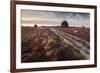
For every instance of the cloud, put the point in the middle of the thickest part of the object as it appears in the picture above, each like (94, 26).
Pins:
(55, 18)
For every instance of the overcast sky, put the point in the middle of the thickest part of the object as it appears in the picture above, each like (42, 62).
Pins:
(54, 18)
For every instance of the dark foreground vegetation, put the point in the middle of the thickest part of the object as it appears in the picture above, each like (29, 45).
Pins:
(41, 45)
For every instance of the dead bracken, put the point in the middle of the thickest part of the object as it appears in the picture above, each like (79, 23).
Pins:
(40, 44)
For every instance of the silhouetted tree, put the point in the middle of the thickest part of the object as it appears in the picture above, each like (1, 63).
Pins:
(83, 27)
(64, 24)
(35, 25)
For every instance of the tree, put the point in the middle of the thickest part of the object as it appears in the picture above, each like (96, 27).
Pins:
(35, 25)
(64, 24)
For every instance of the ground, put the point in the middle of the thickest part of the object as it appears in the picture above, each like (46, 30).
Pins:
(42, 44)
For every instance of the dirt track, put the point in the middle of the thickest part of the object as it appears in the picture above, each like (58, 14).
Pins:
(45, 44)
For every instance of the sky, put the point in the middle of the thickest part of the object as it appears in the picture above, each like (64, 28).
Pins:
(54, 18)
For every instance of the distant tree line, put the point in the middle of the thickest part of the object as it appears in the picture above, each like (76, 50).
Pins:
(64, 24)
